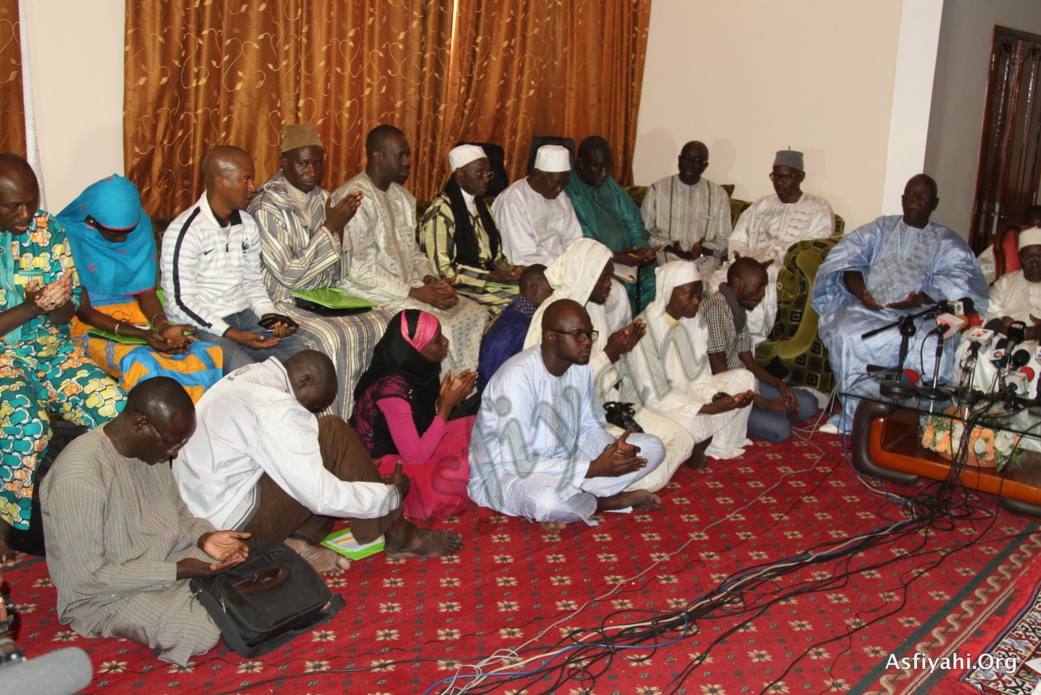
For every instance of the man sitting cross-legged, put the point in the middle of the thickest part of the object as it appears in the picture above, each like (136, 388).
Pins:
(121, 545)
(262, 462)
(540, 447)
(726, 318)
(668, 371)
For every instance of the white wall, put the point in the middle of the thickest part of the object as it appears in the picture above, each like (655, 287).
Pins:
(76, 54)
(751, 77)
(959, 95)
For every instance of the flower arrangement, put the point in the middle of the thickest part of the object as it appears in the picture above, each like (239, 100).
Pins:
(987, 448)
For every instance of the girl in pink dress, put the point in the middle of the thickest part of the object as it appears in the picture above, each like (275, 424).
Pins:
(402, 413)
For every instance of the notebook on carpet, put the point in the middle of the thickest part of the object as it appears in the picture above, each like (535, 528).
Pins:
(343, 542)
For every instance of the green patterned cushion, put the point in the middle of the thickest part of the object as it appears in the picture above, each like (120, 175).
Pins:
(794, 336)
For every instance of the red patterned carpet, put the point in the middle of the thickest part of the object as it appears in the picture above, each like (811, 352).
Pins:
(516, 600)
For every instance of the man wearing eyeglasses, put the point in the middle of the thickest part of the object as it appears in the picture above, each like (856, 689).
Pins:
(121, 545)
(540, 447)
(459, 234)
(688, 215)
(766, 230)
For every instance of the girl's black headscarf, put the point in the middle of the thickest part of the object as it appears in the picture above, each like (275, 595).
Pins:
(466, 248)
(394, 356)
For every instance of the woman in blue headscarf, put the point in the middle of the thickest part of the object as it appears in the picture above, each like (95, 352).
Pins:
(115, 254)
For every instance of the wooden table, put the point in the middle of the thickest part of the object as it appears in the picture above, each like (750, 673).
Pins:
(886, 443)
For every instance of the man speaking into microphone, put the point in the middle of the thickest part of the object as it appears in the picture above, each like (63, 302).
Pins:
(894, 267)
(1015, 299)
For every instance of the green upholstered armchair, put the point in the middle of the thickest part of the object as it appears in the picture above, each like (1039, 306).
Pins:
(736, 208)
(794, 336)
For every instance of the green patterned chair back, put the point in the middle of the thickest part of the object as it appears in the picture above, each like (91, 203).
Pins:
(840, 225)
(637, 193)
(736, 208)
(794, 336)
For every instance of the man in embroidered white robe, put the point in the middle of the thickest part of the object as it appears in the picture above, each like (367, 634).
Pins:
(386, 263)
(669, 371)
(766, 230)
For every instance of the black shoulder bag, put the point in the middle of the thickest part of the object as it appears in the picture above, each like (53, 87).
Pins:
(267, 600)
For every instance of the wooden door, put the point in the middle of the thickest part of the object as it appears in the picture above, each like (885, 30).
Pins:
(1009, 174)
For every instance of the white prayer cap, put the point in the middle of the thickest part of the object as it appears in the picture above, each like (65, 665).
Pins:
(668, 277)
(463, 155)
(1030, 237)
(552, 158)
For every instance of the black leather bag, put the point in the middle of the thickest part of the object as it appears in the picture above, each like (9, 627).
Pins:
(267, 600)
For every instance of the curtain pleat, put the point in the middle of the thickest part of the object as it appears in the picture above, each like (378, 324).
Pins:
(12, 109)
(207, 73)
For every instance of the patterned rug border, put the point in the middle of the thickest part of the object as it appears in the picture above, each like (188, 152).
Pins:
(966, 612)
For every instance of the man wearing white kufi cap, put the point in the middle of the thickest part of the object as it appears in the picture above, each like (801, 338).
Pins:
(669, 372)
(1015, 296)
(537, 222)
(386, 264)
(460, 237)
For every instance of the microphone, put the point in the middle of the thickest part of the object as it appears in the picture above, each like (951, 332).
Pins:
(994, 325)
(964, 306)
(1016, 333)
(62, 672)
(1019, 359)
(1017, 384)
(949, 324)
(979, 338)
(1028, 372)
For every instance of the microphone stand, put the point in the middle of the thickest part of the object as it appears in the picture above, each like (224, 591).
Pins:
(899, 322)
(935, 392)
(898, 387)
(965, 394)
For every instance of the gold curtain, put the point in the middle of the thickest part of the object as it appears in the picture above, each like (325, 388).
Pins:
(211, 72)
(522, 68)
(12, 109)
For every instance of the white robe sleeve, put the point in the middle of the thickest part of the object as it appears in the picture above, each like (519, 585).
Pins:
(287, 449)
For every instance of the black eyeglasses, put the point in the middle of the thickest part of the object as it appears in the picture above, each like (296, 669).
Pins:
(692, 160)
(579, 336)
(169, 447)
(784, 178)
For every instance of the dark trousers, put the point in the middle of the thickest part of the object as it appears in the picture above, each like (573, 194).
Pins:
(279, 516)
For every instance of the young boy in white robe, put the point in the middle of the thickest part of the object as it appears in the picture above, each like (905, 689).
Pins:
(668, 371)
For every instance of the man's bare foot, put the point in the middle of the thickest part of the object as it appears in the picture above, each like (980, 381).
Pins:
(405, 539)
(640, 500)
(326, 562)
(697, 460)
(552, 526)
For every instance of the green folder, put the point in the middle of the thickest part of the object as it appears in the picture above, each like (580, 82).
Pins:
(333, 298)
(343, 542)
(124, 339)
